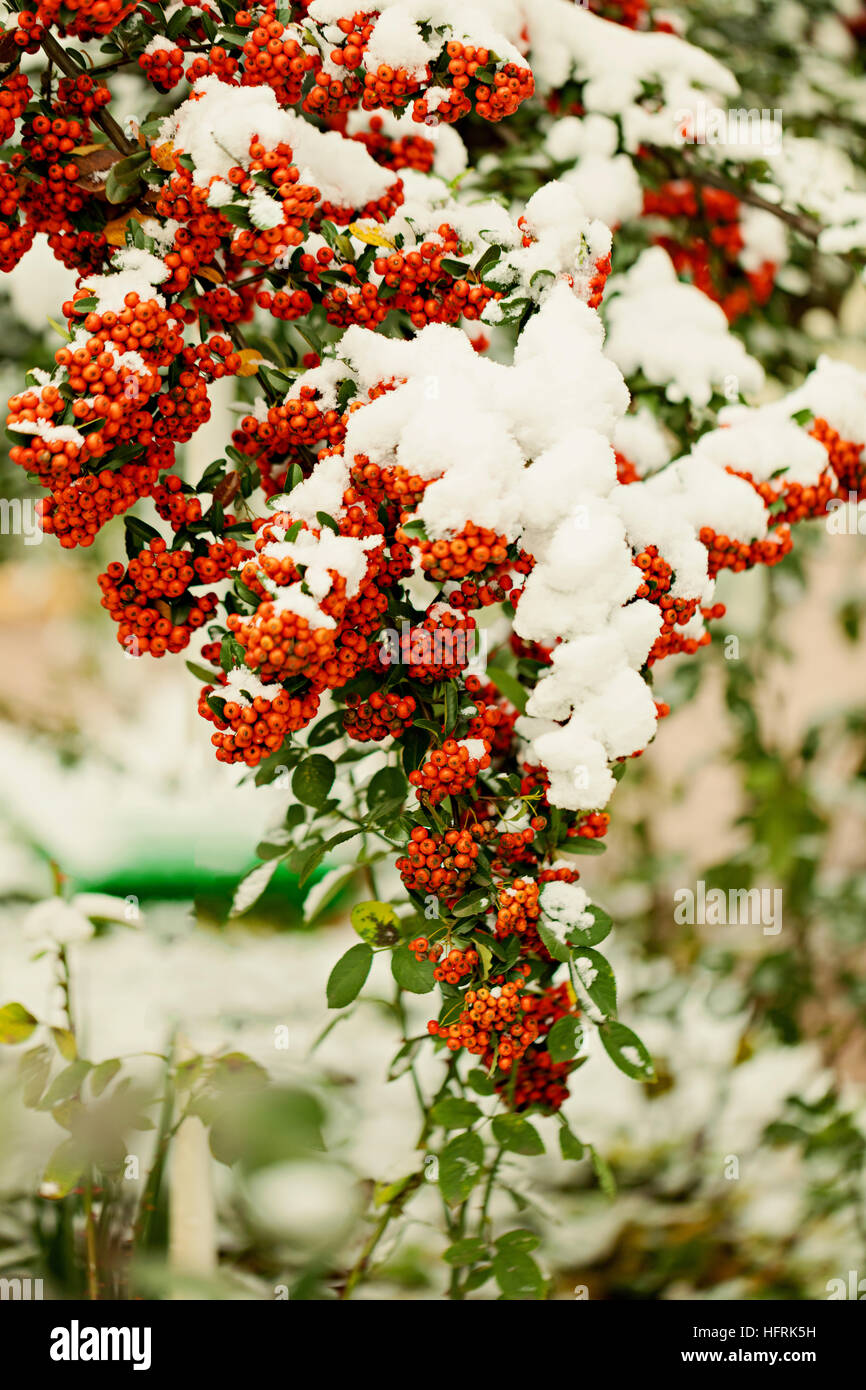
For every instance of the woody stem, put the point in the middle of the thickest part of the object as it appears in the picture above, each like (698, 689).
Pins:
(107, 124)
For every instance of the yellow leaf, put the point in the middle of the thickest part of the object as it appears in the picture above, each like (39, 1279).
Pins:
(115, 231)
(163, 156)
(370, 235)
(87, 149)
(65, 1041)
(250, 362)
(210, 272)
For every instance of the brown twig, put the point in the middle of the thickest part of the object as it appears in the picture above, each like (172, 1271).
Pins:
(800, 222)
(107, 124)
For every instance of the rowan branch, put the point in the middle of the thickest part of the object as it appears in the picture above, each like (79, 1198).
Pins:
(107, 124)
(699, 173)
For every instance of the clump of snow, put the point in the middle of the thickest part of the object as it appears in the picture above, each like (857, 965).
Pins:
(397, 38)
(641, 438)
(132, 271)
(565, 245)
(673, 334)
(564, 908)
(216, 124)
(318, 554)
(606, 183)
(616, 65)
(243, 686)
(834, 391)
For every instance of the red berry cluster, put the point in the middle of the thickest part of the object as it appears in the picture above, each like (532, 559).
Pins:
(438, 649)
(248, 731)
(82, 19)
(14, 96)
(725, 553)
(382, 715)
(845, 458)
(790, 502)
(471, 83)
(447, 771)
(470, 551)
(398, 152)
(162, 64)
(455, 966)
(537, 1080)
(77, 512)
(273, 58)
(709, 258)
(141, 598)
(497, 1023)
(676, 612)
(440, 863)
(112, 370)
(279, 642)
(82, 95)
(15, 238)
(626, 472)
(594, 824)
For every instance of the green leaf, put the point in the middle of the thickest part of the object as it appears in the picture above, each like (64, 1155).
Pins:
(375, 923)
(604, 1173)
(517, 1135)
(65, 1043)
(416, 976)
(313, 779)
(466, 1252)
(68, 1114)
(595, 975)
(509, 686)
(139, 534)
(518, 1240)
(390, 784)
(517, 1274)
(178, 22)
(103, 1075)
(201, 673)
(305, 862)
(480, 1082)
(591, 936)
(627, 1051)
(327, 729)
(490, 257)
(124, 176)
(16, 1024)
(455, 1113)
(579, 844)
(569, 1144)
(349, 976)
(473, 905)
(33, 1071)
(65, 1084)
(461, 1163)
(485, 953)
(564, 1039)
(238, 216)
(557, 948)
(452, 705)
